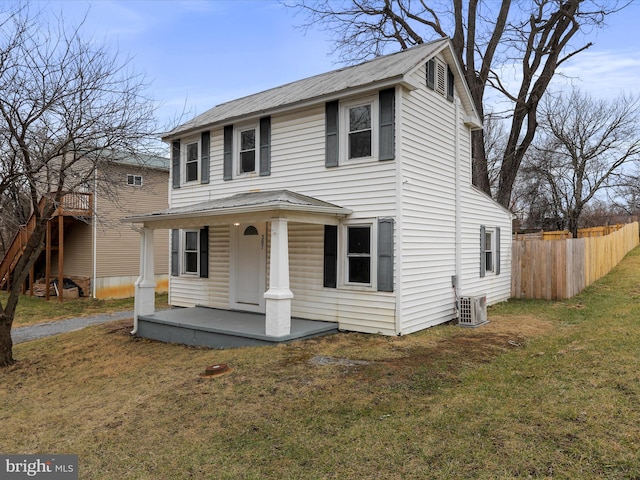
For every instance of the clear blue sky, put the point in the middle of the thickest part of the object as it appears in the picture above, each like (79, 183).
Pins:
(198, 54)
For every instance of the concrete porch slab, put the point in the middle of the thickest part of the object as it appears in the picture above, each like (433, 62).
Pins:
(216, 328)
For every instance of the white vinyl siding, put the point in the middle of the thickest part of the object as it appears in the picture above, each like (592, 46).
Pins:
(428, 217)
(364, 311)
(421, 178)
(187, 291)
(298, 141)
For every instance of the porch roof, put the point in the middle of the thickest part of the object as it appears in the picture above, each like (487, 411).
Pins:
(280, 201)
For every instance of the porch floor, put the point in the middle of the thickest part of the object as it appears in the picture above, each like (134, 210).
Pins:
(216, 328)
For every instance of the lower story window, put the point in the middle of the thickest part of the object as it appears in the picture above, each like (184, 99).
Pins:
(488, 252)
(191, 251)
(359, 254)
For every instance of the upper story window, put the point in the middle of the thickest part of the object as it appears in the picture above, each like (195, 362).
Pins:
(192, 162)
(359, 134)
(134, 180)
(360, 129)
(247, 150)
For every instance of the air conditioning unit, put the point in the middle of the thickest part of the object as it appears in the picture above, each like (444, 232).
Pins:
(473, 311)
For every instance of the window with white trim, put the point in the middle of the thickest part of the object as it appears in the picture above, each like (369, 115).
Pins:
(359, 119)
(134, 180)
(489, 249)
(191, 251)
(192, 162)
(359, 253)
(247, 142)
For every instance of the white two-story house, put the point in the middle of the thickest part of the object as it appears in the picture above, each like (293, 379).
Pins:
(343, 198)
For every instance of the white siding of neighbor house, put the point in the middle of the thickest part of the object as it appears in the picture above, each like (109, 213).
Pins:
(298, 164)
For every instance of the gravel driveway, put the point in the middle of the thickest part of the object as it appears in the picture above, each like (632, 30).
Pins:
(46, 329)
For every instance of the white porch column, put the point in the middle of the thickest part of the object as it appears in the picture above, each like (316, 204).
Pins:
(278, 297)
(145, 286)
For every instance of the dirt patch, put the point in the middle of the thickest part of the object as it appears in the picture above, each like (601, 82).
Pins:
(122, 327)
(433, 364)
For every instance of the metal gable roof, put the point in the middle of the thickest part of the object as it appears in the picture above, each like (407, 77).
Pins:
(385, 68)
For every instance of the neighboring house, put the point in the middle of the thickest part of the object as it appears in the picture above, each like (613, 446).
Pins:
(94, 245)
(344, 197)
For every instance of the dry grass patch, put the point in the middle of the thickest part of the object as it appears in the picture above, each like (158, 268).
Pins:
(545, 390)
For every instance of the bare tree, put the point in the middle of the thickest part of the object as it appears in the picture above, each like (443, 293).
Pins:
(531, 37)
(585, 146)
(66, 105)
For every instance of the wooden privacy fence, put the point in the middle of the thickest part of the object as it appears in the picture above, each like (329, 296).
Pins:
(557, 269)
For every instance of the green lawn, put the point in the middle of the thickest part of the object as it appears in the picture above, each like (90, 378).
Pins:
(546, 390)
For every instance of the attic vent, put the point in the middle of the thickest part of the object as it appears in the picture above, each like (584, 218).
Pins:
(473, 311)
(441, 78)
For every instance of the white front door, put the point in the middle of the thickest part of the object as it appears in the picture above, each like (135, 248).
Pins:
(249, 272)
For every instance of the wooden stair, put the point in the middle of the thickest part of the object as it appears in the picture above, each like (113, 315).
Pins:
(73, 205)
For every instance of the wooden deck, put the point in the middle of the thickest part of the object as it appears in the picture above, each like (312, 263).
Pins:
(215, 328)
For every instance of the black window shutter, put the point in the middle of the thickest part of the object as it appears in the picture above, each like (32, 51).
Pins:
(175, 163)
(497, 261)
(227, 168)
(449, 84)
(483, 251)
(431, 74)
(385, 255)
(330, 256)
(386, 140)
(204, 252)
(205, 146)
(265, 146)
(331, 109)
(175, 252)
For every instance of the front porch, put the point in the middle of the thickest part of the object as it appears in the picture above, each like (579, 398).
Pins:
(256, 271)
(216, 328)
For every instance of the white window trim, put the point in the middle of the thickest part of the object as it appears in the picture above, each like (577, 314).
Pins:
(183, 252)
(236, 149)
(183, 163)
(372, 100)
(343, 261)
(490, 248)
(131, 180)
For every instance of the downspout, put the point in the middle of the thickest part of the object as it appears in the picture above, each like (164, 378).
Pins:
(399, 204)
(94, 242)
(455, 283)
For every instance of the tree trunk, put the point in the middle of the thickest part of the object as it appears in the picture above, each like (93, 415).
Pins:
(6, 344)
(480, 172)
